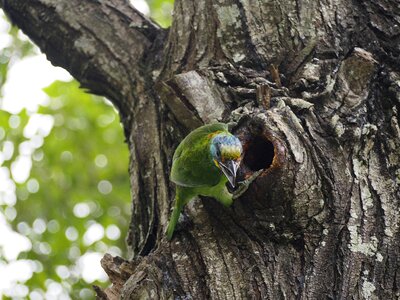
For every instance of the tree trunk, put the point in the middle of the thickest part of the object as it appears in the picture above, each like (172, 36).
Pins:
(322, 220)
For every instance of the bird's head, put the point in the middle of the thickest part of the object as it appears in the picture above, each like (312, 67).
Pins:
(226, 151)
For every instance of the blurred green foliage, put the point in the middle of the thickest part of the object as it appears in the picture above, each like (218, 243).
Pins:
(75, 200)
(160, 11)
(17, 49)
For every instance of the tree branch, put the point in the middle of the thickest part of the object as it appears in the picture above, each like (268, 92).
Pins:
(103, 44)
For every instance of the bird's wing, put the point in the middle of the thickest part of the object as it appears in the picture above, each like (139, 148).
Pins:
(197, 135)
(190, 171)
(192, 163)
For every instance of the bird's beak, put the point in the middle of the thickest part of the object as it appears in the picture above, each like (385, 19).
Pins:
(229, 168)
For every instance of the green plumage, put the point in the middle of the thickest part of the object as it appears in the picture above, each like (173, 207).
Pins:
(195, 173)
(192, 164)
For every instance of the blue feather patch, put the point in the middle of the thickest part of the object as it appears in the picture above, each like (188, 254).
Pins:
(225, 146)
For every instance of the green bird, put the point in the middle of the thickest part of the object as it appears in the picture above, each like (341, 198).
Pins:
(203, 163)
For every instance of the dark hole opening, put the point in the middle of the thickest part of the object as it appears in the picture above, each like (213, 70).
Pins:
(259, 154)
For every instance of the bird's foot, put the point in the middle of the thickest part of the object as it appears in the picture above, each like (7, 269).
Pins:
(244, 185)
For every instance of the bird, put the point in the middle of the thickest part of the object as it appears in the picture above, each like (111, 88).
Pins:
(203, 163)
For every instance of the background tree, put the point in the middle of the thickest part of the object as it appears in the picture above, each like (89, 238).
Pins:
(60, 217)
(53, 251)
(322, 220)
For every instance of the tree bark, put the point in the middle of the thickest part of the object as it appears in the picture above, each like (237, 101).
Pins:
(322, 221)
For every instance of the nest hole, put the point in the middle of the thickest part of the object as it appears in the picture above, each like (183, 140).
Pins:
(259, 154)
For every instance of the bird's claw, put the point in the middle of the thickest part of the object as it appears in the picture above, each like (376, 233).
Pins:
(244, 185)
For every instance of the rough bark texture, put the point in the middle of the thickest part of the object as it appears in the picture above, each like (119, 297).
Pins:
(323, 219)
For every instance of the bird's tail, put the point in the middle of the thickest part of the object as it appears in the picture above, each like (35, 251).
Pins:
(174, 218)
